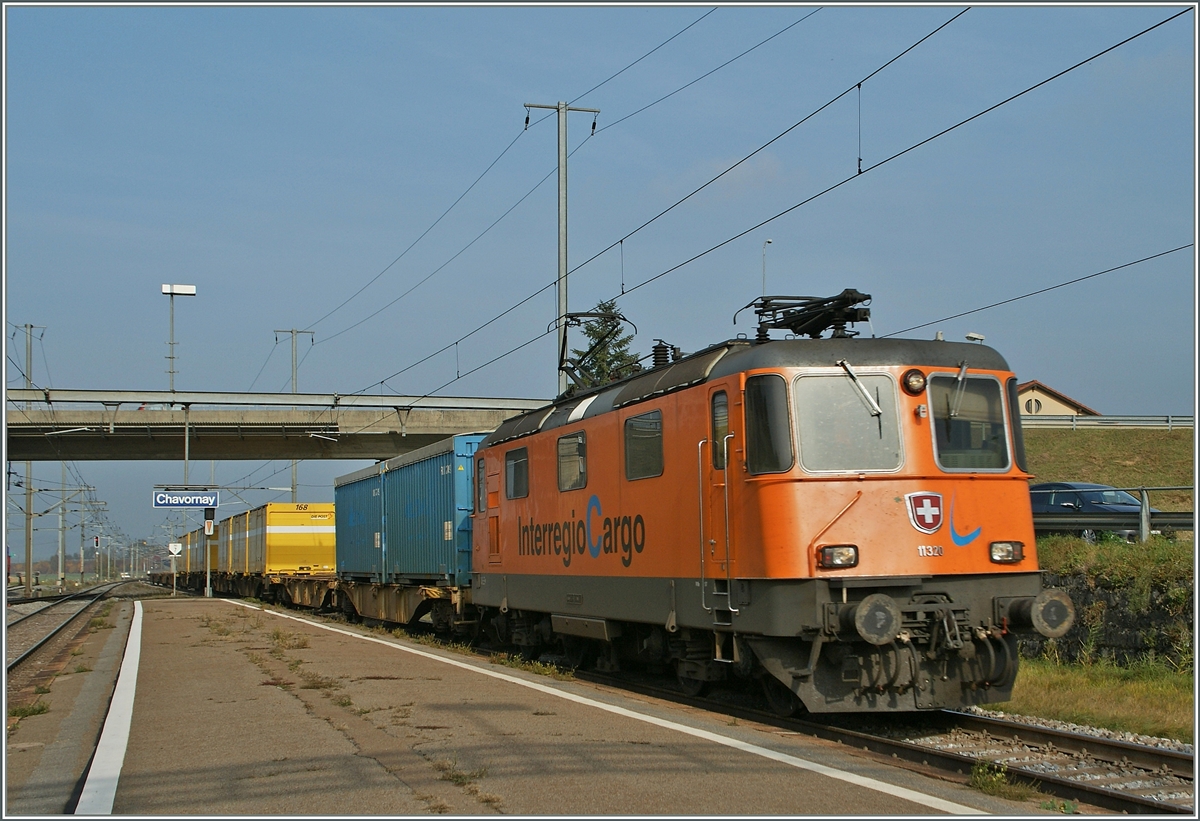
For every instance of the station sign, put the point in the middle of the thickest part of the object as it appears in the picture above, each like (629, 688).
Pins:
(188, 499)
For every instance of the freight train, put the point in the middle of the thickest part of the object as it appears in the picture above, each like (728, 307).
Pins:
(844, 520)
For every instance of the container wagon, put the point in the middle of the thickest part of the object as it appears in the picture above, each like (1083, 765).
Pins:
(254, 552)
(404, 534)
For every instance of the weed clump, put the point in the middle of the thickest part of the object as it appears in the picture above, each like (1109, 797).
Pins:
(284, 640)
(540, 668)
(314, 681)
(25, 710)
(992, 779)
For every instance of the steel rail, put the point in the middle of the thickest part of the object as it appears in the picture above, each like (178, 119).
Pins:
(37, 646)
(829, 730)
(1106, 749)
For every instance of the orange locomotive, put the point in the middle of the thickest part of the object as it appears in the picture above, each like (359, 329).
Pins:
(845, 519)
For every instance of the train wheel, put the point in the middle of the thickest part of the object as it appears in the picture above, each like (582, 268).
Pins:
(782, 701)
(690, 686)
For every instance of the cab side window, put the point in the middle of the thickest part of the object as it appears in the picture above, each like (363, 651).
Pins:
(720, 428)
(572, 461)
(516, 473)
(644, 446)
(768, 425)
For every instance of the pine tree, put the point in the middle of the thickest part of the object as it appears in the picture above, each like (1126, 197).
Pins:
(612, 360)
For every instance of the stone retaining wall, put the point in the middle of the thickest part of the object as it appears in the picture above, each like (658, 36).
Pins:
(1125, 623)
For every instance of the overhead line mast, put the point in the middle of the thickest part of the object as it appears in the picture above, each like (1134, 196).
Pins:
(562, 109)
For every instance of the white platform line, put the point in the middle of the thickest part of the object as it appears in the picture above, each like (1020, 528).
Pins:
(100, 789)
(858, 780)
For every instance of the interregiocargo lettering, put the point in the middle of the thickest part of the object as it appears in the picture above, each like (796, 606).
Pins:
(597, 534)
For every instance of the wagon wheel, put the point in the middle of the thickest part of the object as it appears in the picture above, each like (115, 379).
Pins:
(782, 701)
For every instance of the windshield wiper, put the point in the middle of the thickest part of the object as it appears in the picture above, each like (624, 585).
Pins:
(960, 389)
(871, 403)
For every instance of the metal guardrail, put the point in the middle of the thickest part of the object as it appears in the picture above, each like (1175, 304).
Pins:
(1171, 520)
(1144, 521)
(1076, 422)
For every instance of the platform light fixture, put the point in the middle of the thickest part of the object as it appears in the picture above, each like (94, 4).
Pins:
(173, 291)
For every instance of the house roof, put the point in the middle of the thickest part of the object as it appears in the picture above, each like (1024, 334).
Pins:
(1082, 409)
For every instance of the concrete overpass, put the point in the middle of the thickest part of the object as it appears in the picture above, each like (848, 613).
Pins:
(82, 425)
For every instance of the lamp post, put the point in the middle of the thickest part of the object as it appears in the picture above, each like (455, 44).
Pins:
(173, 291)
(764, 255)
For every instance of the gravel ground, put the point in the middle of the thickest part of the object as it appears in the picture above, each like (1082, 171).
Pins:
(1083, 729)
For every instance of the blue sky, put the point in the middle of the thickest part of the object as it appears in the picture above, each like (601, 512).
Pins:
(281, 158)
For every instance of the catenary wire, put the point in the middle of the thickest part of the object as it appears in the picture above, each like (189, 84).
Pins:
(879, 164)
(639, 228)
(643, 57)
(491, 166)
(702, 76)
(1039, 291)
(767, 144)
(541, 182)
(897, 155)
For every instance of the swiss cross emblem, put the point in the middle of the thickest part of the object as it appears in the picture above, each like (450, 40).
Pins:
(925, 510)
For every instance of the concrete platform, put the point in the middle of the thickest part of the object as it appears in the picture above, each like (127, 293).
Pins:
(243, 711)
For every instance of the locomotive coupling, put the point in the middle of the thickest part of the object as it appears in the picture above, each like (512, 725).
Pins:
(876, 618)
(1051, 613)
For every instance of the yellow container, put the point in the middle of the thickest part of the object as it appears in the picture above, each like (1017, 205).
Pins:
(224, 546)
(193, 551)
(239, 555)
(291, 539)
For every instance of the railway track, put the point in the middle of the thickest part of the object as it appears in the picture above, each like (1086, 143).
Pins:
(27, 634)
(1114, 775)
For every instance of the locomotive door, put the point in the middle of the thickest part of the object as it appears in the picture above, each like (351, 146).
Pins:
(716, 460)
(487, 503)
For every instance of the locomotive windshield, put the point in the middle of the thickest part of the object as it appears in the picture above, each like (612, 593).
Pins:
(968, 422)
(840, 430)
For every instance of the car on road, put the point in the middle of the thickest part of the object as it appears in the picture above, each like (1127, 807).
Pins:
(1085, 497)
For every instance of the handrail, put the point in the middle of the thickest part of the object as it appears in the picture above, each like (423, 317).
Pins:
(700, 484)
(728, 545)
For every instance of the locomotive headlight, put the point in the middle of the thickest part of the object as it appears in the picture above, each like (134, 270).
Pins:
(1008, 552)
(913, 381)
(838, 555)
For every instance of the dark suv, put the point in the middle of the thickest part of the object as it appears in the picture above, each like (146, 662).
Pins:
(1083, 497)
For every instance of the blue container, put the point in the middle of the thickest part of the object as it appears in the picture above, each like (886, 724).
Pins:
(420, 505)
(358, 501)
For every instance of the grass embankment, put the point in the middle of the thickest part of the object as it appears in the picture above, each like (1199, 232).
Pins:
(1114, 563)
(1153, 697)
(1121, 457)
(1149, 698)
